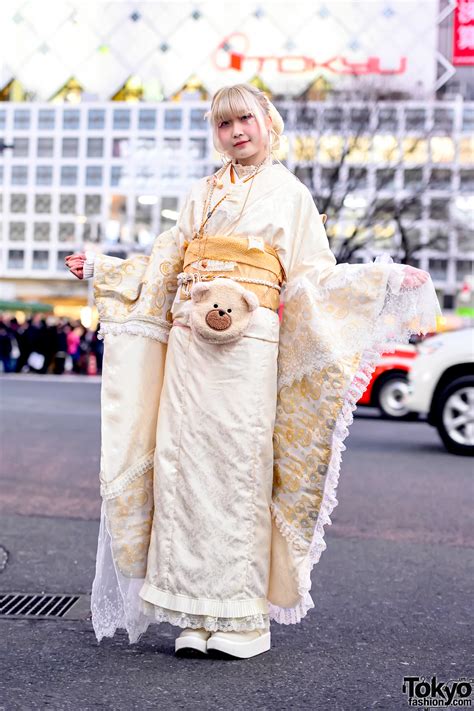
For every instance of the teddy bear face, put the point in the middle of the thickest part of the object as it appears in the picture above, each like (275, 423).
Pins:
(221, 310)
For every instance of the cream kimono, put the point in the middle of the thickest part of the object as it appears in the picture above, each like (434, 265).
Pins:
(219, 463)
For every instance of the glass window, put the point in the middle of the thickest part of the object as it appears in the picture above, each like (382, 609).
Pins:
(19, 175)
(17, 202)
(3, 118)
(357, 179)
(171, 148)
(21, 119)
(121, 118)
(466, 150)
(197, 120)
(333, 118)
(328, 178)
(41, 231)
(96, 119)
(93, 175)
(438, 268)
(20, 147)
(145, 148)
(120, 147)
(385, 179)
(143, 213)
(40, 259)
(93, 204)
(443, 120)
(306, 117)
(415, 119)
(358, 149)
(440, 179)
(387, 119)
(71, 119)
(439, 209)
(43, 203)
(95, 147)
(46, 119)
(66, 232)
(360, 119)
(330, 148)
(67, 204)
(413, 209)
(442, 149)
(45, 147)
(413, 178)
(468, 120)
(466, 179)
(118, 176)
(16, 258)
(197, 148)
(438, 238)
(173, 119)
(464, 268)
(415, 150)
(70, 148)
(147, 119)
(384, 208)
(385, 149)
(169, 212)
(61, 256)
(304, 148)
(17, 231)
(68, 175)
(305, 174)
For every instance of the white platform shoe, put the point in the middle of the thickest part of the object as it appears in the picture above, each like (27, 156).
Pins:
(240, 644)
(192, 639)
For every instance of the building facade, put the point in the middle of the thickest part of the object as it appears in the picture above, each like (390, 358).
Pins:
(111, 176)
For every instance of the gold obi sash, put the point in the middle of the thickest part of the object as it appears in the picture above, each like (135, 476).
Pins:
(239, 259)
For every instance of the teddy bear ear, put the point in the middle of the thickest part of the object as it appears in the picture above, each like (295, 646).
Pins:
(199, 291)
(251, 299)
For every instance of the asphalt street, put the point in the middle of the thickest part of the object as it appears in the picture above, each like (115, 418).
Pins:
(392, 592)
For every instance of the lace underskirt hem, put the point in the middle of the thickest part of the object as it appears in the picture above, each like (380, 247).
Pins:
(211, 624)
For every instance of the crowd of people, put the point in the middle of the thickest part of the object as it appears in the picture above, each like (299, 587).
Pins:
(46, 344)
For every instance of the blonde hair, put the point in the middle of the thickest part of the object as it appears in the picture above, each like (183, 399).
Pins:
(239, 99)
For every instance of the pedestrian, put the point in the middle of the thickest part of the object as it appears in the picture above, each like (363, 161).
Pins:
(6, 348)
(219, 472)
(73, 338)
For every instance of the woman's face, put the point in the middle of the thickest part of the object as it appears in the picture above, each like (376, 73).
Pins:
(241, 138)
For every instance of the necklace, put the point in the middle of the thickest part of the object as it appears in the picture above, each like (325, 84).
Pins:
(207, 212)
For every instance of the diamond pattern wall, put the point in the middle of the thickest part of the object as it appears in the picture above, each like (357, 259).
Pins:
(103, 43)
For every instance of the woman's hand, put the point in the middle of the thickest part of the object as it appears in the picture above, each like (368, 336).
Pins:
(414, 278)
(75, 264)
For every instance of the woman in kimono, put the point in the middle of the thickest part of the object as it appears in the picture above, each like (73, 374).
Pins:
(220, 461)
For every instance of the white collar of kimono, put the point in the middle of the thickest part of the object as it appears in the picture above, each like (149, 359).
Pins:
(243, 171)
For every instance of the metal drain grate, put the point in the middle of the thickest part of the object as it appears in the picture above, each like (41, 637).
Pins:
(42, 605)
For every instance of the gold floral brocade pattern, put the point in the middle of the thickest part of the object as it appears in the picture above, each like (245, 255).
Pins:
(129, 518)
(139, 289)
(306, 417)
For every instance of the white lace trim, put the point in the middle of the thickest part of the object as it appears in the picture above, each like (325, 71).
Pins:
(398, 307)
(211, 624)
(136, 327)
(118, 485)
(243, 171)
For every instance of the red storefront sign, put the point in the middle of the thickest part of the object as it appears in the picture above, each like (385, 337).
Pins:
(463, 33)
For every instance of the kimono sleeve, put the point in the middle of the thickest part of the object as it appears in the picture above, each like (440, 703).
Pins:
(337, 321)
(135, 295)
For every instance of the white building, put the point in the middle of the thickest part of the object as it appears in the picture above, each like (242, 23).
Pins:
(111, 175)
